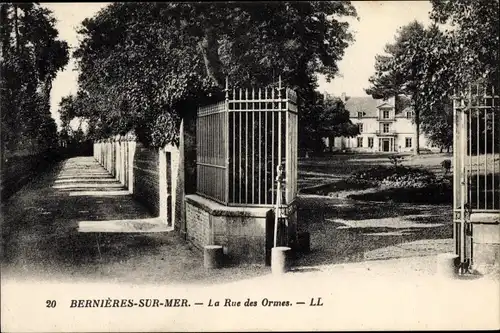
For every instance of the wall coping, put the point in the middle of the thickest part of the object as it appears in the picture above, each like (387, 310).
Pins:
(217, 209)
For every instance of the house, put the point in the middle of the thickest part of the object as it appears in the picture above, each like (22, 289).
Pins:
(381, 128)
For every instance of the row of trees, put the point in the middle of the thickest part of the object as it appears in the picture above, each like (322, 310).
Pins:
(430, 64)
(31, 56)
(146, 66)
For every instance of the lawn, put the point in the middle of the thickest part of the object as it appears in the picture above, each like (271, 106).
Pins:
(317, 171)
(351, 219)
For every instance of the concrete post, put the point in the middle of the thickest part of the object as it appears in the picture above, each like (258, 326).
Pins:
(213, 255)
(280, 260)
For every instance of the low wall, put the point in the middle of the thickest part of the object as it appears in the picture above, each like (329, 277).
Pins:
(18, 169)
(486, 247)
(155, 177)
(246, 234)
(240, 231)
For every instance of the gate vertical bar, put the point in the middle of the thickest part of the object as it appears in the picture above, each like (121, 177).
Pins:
(273, 166)
(246, 146)
(253, 151)
(260, 155)
(233, 160)
(455, 170)
(239, 158)
(485, 159)
(265, 156)
(226, 140)
(478, 162)
(493, 129)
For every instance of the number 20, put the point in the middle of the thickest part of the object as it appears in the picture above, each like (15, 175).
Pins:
(50, 303)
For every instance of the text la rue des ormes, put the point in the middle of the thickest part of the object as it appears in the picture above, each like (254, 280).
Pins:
(182, 302)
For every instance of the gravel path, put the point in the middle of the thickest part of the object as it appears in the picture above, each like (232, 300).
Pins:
(344, 230)
(41, 238)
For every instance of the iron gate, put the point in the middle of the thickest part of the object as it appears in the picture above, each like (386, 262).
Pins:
(476, 166)
(240, 142)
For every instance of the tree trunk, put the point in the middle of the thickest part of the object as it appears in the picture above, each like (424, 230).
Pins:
(46, 89)
(4, 17)
(16, 28)
(209, 49)
(417, 133)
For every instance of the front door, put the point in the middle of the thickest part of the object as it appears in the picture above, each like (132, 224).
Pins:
(385, 145)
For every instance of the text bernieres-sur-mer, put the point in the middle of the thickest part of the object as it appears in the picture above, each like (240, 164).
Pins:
(180, 302)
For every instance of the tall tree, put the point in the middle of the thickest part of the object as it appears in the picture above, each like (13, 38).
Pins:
(31, 56)
(146, 66)
(415, 65)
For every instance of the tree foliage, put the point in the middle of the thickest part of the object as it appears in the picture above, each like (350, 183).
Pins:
(144, 67)
(31, 56)
(474, 38)
(325, 117)
(431, 64)
(406, 68)
(438, 126)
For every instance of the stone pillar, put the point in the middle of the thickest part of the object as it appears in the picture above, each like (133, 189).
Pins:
(131, 153)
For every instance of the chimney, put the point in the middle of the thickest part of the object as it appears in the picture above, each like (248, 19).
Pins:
(343, 97)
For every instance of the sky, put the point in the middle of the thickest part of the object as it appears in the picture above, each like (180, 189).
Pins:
(377, 25)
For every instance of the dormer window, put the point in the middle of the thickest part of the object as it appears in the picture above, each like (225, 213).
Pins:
(360, 115)
(409, 114)
(385, 114)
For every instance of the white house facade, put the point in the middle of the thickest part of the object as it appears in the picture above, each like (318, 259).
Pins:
(381, 128)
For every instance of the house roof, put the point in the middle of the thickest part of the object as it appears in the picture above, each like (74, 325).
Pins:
(369, 106)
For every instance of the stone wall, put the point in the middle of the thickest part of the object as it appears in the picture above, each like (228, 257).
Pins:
(18, 169)
(198, 226)
(155, 177)
(243, 232)
(180, 188)
(146, 178)
(486, 247)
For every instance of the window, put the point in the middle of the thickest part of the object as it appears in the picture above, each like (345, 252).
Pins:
(360, 115)
(385, 128)
(360, 126)
(360, 142)
(408, 142)
(370, 142)
(385, 114)
(409, 114)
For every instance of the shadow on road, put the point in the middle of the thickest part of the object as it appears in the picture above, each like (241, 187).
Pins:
(350, 231)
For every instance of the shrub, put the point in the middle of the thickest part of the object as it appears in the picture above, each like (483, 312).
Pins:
(396, 160)
(398, 177)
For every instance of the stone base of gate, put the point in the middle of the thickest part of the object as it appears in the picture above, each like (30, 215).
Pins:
(486, 248)
(241, 231)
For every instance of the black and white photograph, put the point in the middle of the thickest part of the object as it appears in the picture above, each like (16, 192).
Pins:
(249, 166)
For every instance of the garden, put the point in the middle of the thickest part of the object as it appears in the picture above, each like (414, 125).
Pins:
(397, 178)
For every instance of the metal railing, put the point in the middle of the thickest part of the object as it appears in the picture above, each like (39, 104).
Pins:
(241, 141)
(382, 132)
